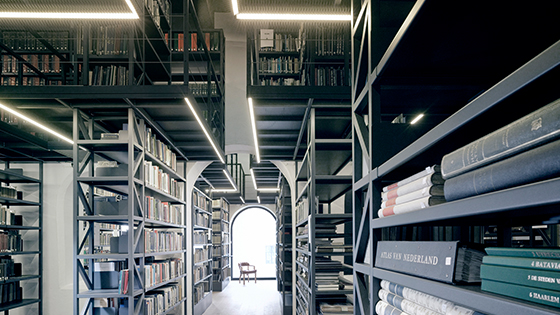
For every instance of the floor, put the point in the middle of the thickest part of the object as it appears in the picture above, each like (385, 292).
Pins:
(261, 298)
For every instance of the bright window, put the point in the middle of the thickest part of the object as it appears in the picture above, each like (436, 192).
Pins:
(254, 241)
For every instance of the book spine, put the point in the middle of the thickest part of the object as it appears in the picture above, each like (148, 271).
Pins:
(529, 131)
(537, 164)
(422, 182)
(528, 277)
(410, 206)
(524, 252)
(434, 190)
(383, 308)
(433, 260)
(427, 171)
(518, 262)
(536, 295)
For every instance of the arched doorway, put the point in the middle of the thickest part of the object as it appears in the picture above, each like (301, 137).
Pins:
(253, 237)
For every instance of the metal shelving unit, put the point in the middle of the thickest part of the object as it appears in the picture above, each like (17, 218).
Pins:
(467, 85)
(18, 173)
(202, 223)
(221, 243)
(319, 184)
(284, 248)
(152, 217)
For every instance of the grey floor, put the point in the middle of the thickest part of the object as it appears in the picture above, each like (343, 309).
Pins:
(261, 298)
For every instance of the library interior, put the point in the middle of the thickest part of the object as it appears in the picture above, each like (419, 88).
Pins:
(264, 157)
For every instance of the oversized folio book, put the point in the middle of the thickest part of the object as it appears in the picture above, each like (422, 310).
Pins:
(529, 131)
(443, 261)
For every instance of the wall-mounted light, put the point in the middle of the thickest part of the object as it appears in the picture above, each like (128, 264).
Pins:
(132, 15)
(293, 17)
(415, 120)
(33, 122)
(205, 131)
(254, 127)
(268, 190)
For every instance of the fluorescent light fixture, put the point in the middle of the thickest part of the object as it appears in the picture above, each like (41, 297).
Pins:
(230, 179)
(242, 200)
(74, 15)
(205, 131)
(29, 120)
(415, 120)
(235, 7)
(253, 177)
(224, 190)
(259, 199)
(294, 17)
(254, 127)
(268, 189)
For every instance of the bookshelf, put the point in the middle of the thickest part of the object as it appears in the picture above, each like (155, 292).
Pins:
(323, 237)
(21, 227)
(411, 60)
(221, 244)
(284, 249)
(317, 55)
(130, 184)
(202, 251)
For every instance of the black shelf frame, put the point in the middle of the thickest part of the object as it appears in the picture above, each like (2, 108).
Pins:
(474, 90)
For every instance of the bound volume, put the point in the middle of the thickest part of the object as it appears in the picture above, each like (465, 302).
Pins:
(443, 261)
(534, 129)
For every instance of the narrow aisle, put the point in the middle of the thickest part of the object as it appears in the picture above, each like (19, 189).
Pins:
(261, 298)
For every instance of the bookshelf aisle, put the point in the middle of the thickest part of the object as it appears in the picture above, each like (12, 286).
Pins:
(323, 237)
(221, 244)
(409, 59)
(284, 250)
(21, 235)
(127, 182)
(202, 251)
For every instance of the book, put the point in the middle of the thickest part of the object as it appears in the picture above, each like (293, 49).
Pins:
(524, 252)
(427, 171)
(384, 308)
(532, 294)
(442, 261)
(537, 164)
(529, 131)
(413, 205)
(403, 304)
(434, 190)
(424, 181)
(439, 305)
(522, 276)
(521, 262)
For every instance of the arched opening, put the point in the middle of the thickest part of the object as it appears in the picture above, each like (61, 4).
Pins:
(253, 237)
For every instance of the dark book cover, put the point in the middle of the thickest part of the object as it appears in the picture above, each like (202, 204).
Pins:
(521, 262)
(524, 252)
(532, 294)
(530, 166)
(432, 260)
(529, 131)
(522, 276)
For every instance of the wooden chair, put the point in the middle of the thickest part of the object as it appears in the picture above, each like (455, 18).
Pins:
(245, 269)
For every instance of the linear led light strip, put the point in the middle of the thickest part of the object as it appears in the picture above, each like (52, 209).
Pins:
(29, 120)
(259, 199)
(205, 131)
(254, 127)
(73, 15)
(287, 16)
(415, 120)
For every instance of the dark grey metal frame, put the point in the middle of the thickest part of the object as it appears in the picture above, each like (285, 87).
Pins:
(202, 305)
(221, 284)
(367, 185)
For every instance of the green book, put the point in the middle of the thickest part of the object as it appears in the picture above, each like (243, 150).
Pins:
(528, 277)
(536, 295)
(524, 252)
(521, 262)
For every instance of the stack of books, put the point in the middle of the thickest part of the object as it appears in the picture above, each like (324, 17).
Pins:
(326, 246)
(335, 309)
(419, 191)
(525, 273)
(326, 274)
(398, 299)
(523, 152)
